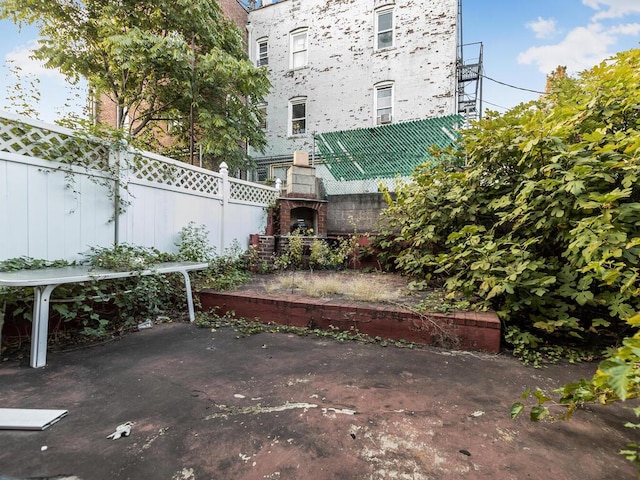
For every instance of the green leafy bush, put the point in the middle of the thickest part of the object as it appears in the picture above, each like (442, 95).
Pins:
(616, 380)
(194, 245)
(102, 309)
(125, 257)
(302, 251)
(538, 212)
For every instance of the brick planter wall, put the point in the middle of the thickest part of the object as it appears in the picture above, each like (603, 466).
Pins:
(475, 331)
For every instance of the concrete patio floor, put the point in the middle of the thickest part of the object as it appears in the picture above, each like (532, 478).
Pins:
(207, 405)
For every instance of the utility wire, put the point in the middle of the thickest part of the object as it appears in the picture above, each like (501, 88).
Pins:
(494, 104)
(513, 86)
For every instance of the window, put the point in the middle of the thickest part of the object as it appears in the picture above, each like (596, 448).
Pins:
(298, 57)
(384, 29)
(298, 116)
(262, 52)
(384, 103)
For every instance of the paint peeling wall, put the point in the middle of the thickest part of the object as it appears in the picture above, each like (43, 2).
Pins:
(343, 66)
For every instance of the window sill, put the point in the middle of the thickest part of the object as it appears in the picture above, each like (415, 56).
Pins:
(384, 50)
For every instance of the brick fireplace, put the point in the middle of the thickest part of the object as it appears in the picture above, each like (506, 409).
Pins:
(300, 207)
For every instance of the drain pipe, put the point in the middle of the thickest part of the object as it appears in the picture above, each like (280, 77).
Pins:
(116, 200)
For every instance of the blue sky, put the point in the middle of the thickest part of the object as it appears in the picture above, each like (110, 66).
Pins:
(523, 41)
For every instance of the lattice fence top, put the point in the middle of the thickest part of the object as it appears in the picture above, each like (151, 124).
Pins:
(177, 175)
(35, 139)
(40, 142)
(246, 192)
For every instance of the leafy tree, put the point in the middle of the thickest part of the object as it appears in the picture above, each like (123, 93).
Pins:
(538, 212)
(23, 95)
(158, 61)
(553, 77)
(538, 215)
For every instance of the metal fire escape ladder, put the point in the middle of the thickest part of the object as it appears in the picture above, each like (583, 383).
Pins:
(468, 76)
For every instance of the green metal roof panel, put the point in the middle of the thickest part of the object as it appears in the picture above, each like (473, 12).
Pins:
(385, 151)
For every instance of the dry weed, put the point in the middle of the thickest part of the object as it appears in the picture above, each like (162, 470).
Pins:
(352, 286)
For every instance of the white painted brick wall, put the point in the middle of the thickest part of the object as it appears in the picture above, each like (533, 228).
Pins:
(344, 66)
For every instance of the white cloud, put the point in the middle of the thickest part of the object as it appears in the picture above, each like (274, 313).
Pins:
(22, 57)
(613, 8)
(626, 29)
(582, 48)
(57, 96)
(543, 27)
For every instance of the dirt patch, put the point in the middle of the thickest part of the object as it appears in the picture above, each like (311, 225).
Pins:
(370, 287)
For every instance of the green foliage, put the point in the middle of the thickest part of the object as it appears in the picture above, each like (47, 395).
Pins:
(254, 263)
(107, 308)
(193, 244)
(303, 250)
(20, 300)
(227, 271)
(291, 257)
(542, 221)
(323, 255)
(617, 379)
(159, 61)
(245, 327)
(24, 95)
(124, 257)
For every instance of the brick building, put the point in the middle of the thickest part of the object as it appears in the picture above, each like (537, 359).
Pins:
(350, 64)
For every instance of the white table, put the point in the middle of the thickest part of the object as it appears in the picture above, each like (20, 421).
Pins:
(45, 280)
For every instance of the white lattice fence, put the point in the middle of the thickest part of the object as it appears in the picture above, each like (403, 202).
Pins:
(250, 192)
(176, 174)
(48, 142)
(55, 210)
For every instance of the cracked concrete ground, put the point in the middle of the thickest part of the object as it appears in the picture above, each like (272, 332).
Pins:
(207, 405)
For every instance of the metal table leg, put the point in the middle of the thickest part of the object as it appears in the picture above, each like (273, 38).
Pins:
(40, 325)
(187, 286)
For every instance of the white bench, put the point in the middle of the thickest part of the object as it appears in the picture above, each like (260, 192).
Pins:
(45, 280)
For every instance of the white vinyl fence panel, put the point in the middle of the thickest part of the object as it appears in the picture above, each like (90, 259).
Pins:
(57, 196)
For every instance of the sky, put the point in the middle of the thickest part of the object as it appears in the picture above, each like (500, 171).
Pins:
(525, 40)
(522, 40)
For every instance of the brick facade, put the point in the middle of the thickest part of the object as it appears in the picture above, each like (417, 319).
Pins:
(235, 12)
(317, 207)
(344, 66)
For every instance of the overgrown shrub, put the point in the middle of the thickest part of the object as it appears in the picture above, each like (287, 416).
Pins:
(194, 245)
(538, 212)
(102, 309)
(307, 251)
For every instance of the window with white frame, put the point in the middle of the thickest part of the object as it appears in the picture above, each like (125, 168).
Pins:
(384, 28)
(384, 103)
(298, 48)
(297, 116)
(262, 52)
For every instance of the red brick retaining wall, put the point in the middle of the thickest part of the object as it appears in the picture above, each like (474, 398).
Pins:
(475, 331)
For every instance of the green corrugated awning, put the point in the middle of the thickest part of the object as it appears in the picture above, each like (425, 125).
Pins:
(385, 151)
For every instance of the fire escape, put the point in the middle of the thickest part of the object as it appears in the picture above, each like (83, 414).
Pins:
(468, 75)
